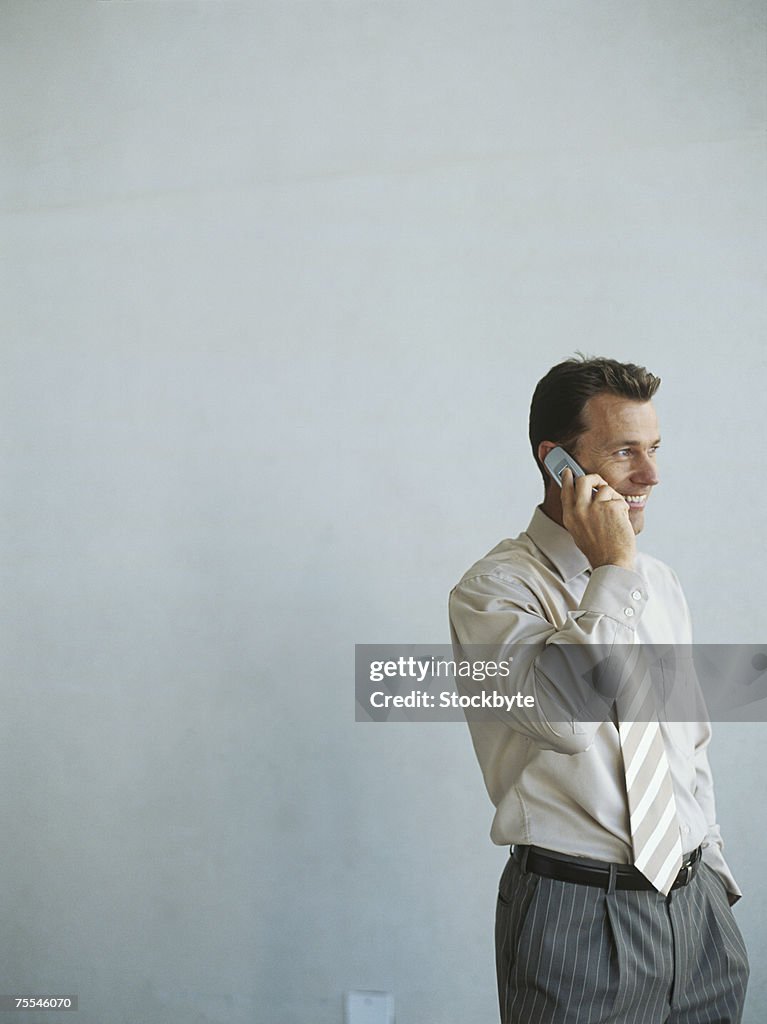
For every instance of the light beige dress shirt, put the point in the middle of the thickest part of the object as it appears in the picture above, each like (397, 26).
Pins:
(555, 776)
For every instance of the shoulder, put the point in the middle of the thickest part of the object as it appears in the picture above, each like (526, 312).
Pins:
(514, 561)
(515, 574)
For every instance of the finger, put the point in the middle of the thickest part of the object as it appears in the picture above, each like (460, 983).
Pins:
(595, 480)
(602, 491)
(584, 490)
(606, 496)
(568, 488)
(607, 493)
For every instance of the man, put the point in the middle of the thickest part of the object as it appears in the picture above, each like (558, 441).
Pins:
(615, 904)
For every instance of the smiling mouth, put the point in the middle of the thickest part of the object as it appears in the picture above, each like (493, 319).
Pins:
(635, 500)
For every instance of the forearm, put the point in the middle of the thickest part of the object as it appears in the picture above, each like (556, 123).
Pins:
(574, 670)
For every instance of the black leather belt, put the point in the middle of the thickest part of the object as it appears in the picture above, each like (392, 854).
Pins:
(560, 866)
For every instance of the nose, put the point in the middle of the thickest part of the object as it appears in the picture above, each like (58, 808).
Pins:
(646, 471)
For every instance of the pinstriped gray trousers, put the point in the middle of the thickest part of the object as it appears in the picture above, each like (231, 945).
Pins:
(576, 953)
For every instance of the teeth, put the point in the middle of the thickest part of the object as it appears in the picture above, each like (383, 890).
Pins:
(635, 499)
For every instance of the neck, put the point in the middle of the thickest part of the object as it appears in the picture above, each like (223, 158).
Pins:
(552, 505)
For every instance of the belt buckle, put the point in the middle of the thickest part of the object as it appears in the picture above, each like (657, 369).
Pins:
(687, 868)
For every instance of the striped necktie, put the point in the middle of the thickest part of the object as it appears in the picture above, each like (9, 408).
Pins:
(655, 832)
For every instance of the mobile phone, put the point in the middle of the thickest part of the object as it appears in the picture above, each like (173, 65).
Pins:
(558, 460)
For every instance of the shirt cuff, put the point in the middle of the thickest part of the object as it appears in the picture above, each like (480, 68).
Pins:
(616, 592)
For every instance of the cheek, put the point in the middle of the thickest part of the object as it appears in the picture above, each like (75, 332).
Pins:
(614, 476)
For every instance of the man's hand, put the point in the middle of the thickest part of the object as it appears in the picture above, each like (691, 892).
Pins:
(598, 523)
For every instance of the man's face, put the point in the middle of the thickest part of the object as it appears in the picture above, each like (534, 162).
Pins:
(620, 443)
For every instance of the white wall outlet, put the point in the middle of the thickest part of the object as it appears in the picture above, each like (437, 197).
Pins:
(369, 1008)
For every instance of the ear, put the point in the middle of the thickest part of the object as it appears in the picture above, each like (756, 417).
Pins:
(544, 448)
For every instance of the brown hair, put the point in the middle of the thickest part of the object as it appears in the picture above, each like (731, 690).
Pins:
(556, 411)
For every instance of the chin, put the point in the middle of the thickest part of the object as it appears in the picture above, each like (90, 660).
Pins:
(637, 521)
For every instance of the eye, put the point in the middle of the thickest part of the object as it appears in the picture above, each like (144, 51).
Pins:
(624, 451)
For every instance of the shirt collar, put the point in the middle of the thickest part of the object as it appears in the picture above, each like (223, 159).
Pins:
(557, 545)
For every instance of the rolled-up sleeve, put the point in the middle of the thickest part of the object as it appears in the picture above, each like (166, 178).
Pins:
(572, 673)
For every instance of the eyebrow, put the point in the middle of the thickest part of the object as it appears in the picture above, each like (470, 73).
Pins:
(633, 444)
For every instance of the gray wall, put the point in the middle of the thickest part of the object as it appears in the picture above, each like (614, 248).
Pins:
(279, 279)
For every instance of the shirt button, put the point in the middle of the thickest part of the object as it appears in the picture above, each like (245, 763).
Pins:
(637, 595)
(686, 829)
(628, 612)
